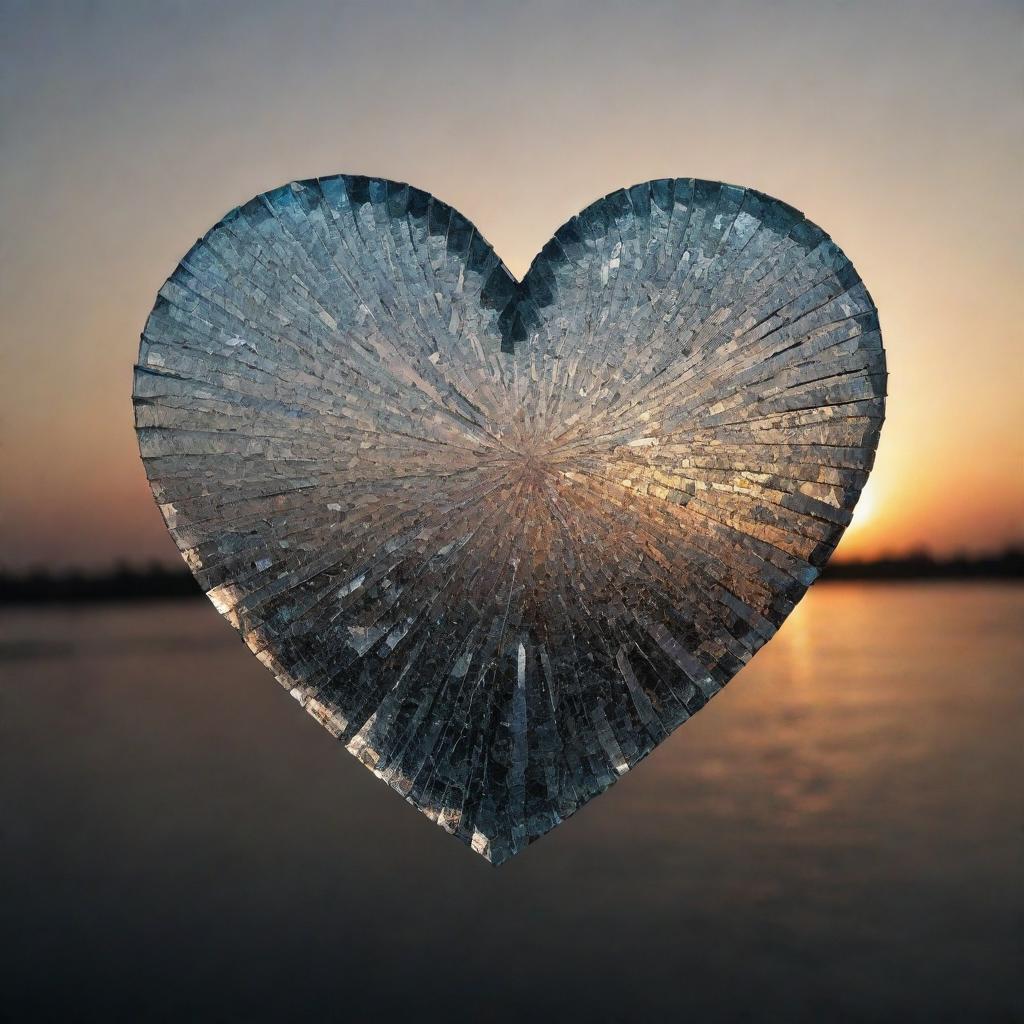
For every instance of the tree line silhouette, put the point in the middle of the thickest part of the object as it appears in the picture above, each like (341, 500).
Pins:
(158, 582)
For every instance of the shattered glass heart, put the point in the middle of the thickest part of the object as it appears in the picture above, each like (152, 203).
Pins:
(502, 538)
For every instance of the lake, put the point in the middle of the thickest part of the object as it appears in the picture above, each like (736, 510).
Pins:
(838, 836)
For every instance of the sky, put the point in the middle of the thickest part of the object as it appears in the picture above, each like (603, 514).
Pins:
(127, 129)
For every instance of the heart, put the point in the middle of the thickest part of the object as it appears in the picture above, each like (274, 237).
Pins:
(502, 538)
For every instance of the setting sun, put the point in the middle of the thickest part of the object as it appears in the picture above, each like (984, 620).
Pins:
(865, 510)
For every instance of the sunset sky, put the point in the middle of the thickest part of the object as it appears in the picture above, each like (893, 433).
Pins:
(127, 129)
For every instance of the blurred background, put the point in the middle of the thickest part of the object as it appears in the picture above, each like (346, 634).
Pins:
(840, 835)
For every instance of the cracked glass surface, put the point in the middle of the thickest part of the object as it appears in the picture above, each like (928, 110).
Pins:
(502, 538)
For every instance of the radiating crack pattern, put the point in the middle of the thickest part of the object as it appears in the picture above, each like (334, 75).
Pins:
(502, 538)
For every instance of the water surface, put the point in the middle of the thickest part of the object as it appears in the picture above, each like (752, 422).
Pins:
(839, 835)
